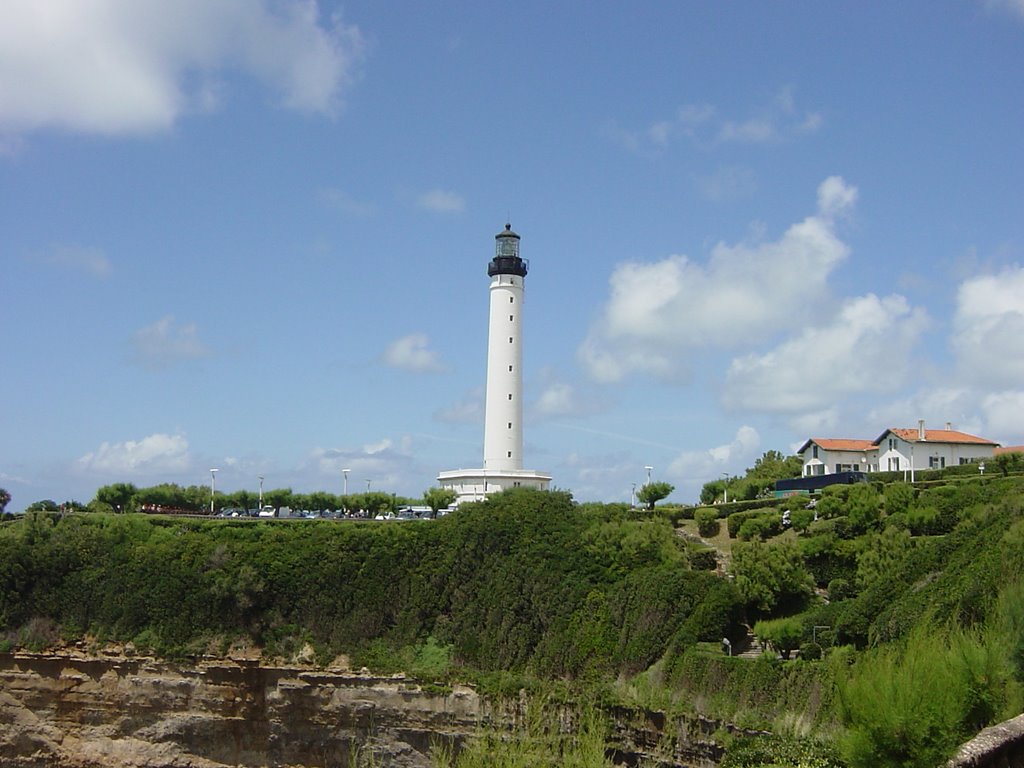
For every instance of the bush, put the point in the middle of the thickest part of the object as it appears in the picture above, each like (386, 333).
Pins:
(783, 635)
(704, 559)
(912, 706)
(707, 522)
(839, 589)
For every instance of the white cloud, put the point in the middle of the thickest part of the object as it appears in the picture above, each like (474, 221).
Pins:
(727, 183)
(162, 345)
(865, 348)
(708, 464)
(380, 463)
(134, 66)
(412, 353)
(440, 201)
(153, 455)
(988, 329)
(745, 293)
(779, 120)
(79, 258)
(1004, 416)
(560, 399)
(468, 410)
(1015, 7)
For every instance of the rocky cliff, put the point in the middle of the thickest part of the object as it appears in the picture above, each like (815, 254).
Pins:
(78, 711)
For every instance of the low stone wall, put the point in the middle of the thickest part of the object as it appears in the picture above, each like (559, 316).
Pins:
(1000, 746)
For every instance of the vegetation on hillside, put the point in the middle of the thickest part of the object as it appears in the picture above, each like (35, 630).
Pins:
(891, 614)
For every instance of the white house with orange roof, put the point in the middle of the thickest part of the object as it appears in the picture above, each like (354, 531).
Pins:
(829, 456)
(895, 450)
(902, 449)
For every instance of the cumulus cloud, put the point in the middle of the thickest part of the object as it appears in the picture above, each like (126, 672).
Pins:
(78, 258)
(709, 463)
(413, 353)
(153, 455)
(659, 310)
(440, 201)
(988, 329)
(134, 66)
(163, 344)
(866, 347)
(560, 399)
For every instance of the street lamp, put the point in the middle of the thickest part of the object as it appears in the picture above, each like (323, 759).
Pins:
(649, 470)
(261, 493)
(344, 474)
(213, 487)
(726, 487)
(632, 497)
(367, 485)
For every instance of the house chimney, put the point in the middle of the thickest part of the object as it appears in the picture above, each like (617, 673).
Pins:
(949, 426)
(920, 429)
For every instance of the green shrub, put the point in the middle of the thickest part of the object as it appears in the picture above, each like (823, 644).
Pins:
(913, 705)
(771, 751)
(783, 635)
(704, 559)
(898, 498)
(707, 522)
(839, 589)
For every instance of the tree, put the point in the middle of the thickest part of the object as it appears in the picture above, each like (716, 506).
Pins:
(712, 491)
(652, 493)
(783, 635)
(438, 498)
(768, 576)
(5, 499)
(118, 496)
(774, 466)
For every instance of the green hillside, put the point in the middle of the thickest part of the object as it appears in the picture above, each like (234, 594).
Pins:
(900, 609)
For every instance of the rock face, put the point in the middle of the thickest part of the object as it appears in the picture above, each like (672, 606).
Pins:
(75, 711)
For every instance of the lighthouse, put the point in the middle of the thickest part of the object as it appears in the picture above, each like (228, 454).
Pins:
(503, 408)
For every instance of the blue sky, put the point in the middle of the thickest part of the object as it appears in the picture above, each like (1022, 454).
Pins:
(253, 235)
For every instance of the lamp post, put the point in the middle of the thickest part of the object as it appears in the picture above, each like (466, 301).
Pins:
(725, 491)
(213, 487)
(632, 497)
(344, 474)
(261, 492)
(649, 470)
(367, 485)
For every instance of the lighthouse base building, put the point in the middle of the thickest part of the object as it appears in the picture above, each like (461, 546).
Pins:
(503, 411)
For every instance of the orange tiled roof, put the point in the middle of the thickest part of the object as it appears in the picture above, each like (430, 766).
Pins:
(937, 436)
(1009, 449)
(843, 444)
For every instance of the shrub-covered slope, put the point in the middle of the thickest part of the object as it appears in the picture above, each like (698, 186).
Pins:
(524, 581)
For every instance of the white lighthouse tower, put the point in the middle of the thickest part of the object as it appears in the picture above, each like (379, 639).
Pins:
(503, 411)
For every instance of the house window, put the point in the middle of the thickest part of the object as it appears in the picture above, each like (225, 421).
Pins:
(814, 451)
(511, 299)
(510, 369)
(937, 462)
(509, 395)
(510, 454)
(509, 339)
(511, 318)
(510, 425)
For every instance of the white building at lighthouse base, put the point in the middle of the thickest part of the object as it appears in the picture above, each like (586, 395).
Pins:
(478, 484)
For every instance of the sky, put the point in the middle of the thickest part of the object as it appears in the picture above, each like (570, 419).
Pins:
(253, 235)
